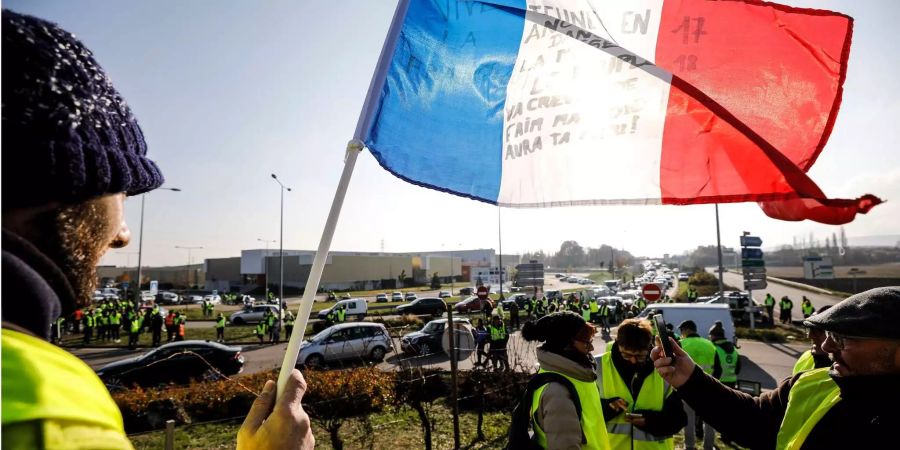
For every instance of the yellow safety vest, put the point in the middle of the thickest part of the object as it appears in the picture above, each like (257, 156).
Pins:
(498, 333)
(594, 307)
(592, 424)
(622, 435)
(804, 363)
(702, 351)
(44, 383)
(728, 361)
(811, 396)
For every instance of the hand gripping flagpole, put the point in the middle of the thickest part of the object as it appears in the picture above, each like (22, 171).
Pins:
(354, 147)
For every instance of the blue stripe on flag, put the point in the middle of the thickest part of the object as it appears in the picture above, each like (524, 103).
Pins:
(440, 119)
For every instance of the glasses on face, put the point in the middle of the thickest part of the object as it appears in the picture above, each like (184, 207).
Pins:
(634, 355)
(840, 340)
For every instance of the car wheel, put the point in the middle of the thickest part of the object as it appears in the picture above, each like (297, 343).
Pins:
(360, 317)
(377, 354)
(238, 321)
(314, 361)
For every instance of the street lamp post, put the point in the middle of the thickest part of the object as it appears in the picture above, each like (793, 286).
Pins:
(137, 284)
(281, 251)
(266, 264)
(189, 261)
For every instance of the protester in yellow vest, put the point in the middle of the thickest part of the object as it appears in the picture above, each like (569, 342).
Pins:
(704, 353)
(77, 152)
(806, 307)
(566, 350)
(815, 357)
(642, 411)
(851, 405)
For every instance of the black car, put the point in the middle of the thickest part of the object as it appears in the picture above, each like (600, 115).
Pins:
(427, 340)
(178, 362)
(426, 305)
(520, 300)
(467, 291)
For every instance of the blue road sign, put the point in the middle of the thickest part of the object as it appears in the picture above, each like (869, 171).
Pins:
(750, 241)
(751, 253)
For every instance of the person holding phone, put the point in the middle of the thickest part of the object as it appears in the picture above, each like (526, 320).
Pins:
(642, 411)
(852, 404)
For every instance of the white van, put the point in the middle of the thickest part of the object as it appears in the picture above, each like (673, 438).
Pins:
(356, 307)
(704, 315)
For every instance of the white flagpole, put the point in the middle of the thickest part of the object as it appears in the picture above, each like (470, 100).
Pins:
(353, 149)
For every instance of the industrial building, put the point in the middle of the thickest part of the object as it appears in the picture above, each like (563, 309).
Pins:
(349, 270)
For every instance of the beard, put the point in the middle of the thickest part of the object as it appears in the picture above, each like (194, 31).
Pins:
(75, 238)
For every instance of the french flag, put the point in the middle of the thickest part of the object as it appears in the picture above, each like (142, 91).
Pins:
(538, 103)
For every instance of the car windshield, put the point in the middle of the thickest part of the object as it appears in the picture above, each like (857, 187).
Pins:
(433, 327)
(321, 335)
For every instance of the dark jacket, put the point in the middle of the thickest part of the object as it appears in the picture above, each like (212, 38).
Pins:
(35, 290)
(667, 422)
(866, 417)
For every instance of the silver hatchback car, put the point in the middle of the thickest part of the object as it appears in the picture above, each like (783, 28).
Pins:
(356, 340)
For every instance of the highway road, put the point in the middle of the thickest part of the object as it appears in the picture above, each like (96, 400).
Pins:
(779, 290)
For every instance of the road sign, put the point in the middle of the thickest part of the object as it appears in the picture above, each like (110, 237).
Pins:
(751, 253)
(750, 241)
(154, 287)
(651, 292)
(753, 263)
(754, 272)
(755, 285)
(818, 268)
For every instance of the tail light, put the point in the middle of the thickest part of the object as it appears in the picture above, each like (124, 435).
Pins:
(237, 355)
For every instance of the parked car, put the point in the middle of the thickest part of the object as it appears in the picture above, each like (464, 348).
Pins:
(215, 299)
(381, 298)
(167, 298)
(683, 276)
(467, 291)
(553, 294)
(356, 307)
(251, 314)
(428, 339)
(519, 299)
(737, 303)
(356, 340)
(178, 362)
(397, 296)
(444, 294)
(426, 305)
(410, 296)
(471, 304)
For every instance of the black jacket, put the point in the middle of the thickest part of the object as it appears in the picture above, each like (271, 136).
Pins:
(35, 290)
(866, 417)
(667, 422)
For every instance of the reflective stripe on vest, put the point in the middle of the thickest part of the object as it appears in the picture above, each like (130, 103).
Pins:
(811, 396)
(701, 350)
(728, 361)
(43, 382)
(804, 363)
(592, 424)
(653, 393)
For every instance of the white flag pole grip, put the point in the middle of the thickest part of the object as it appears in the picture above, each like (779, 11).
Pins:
(354, 147)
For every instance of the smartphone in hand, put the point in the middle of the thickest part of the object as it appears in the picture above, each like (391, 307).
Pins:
(664, 336)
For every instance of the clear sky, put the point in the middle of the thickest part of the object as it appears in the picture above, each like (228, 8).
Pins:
(228, 92)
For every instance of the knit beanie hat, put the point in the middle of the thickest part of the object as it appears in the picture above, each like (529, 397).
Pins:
(557, 329)
(68, 136)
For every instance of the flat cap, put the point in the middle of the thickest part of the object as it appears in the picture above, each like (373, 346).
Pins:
(873, 313)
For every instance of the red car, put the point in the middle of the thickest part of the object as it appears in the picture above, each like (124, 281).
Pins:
(472, 304)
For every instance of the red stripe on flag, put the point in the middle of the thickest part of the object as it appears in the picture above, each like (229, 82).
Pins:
(756, 90)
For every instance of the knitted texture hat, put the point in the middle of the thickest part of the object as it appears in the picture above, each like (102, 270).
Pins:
(68, 136)
(557, 329)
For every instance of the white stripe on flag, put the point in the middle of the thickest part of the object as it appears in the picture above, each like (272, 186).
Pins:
(580, 123)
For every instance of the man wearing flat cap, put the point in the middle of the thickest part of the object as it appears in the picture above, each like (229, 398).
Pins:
(855, 403)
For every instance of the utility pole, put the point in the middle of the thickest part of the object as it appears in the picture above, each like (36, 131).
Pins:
(281, 252)
(719, 252)
(137, 284)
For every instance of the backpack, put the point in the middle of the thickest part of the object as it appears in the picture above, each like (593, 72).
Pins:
(519, 436)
